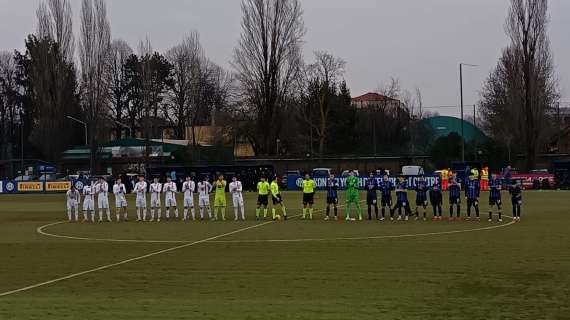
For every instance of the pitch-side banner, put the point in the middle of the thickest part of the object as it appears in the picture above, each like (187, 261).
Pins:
(58, 185)
(7, 186)
(32, 186)
(295, 182)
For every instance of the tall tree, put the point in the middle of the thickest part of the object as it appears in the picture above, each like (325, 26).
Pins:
(10, 114)
(522, 91)
(95, 59)
(324, 74)
(48, 102)
(268, 61)
(55, 21)
(119, 85)
(186, 59)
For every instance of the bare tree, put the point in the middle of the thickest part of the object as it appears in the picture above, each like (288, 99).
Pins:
(526, 26)
(9, 111)
(323, 76)
(55, 22)
(119, 85)
(268, 60)
(187, 59)
(95, 58)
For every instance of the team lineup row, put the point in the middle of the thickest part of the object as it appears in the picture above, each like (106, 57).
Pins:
(265, 190)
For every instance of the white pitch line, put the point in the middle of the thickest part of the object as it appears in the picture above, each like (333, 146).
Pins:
(74, 275)
(41, 231)
(411, 235)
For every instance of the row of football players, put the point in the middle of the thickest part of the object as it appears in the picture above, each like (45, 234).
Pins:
(385, 187)
(100, 189)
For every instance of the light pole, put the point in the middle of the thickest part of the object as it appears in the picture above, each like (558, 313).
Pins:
(22, 143)
(125, 126)
(83, 123)
(461, 96)
(278, 141)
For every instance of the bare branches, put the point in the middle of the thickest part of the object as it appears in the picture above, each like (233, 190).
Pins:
(186, 59)
(268, 60)
(326, 68)
(55, 22)
(119, 82)
(522, 89)
(95, 59)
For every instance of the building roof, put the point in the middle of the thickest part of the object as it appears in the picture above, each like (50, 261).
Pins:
(442, 126)
(372, 97)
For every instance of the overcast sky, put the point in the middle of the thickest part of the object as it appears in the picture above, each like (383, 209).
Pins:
(421, 42)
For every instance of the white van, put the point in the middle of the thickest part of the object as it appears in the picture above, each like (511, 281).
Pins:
(412, 170)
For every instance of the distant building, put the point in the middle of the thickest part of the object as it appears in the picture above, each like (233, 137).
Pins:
(372, 99)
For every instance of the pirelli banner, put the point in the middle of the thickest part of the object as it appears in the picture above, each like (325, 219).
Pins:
(30, 186)
(295, 182)
(57, 186)
(9, 186)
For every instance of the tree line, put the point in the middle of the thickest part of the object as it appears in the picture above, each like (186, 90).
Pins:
(271, 98)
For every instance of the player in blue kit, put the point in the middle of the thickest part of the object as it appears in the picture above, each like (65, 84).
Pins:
(495, 197)
(371, 197)
(332, 196)
(386, 196)
(421, 197)
(401, 199)
(454, 189)
(472, 195)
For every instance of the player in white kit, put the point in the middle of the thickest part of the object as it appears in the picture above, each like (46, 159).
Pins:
(155, 190)
(204, 189)
(73, 198)
(120, 192)
(236, 190)
(88, 203)
(169, 190)
(102, 190)
(188, 188)
(140, 190)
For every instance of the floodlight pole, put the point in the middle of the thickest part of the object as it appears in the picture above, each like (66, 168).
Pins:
(83, 123)
(461, 96)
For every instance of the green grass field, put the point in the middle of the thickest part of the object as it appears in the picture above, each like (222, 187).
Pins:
(285, 270)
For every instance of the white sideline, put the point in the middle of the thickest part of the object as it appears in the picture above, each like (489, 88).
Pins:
(74, 275)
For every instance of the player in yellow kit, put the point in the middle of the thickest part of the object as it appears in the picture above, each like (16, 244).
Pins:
(309, 186)
(262, 197)
(277, 199)
(220, 197)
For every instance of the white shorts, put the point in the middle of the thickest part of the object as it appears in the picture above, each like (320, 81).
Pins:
(204, 202)
(155, 201)
(237, 200)
(103, 202)
(170, 202)
(188, 202)
(141, 202)
(121, 202)
(72, 205)
(88, 205)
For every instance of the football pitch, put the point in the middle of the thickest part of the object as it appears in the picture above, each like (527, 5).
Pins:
(286, 269)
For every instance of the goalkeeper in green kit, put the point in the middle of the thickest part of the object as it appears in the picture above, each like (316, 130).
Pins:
(352, 196)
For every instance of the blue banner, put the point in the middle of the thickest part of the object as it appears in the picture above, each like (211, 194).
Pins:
(8, 186)
(295, 182)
